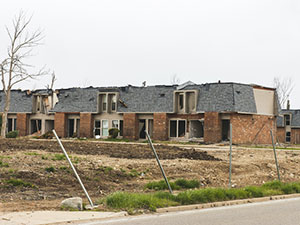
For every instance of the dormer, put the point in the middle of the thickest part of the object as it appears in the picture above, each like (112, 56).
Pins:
(43, 103)
(185, 101)
(107, 102)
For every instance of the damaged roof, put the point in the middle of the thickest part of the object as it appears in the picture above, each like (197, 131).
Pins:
(21, 101)
(295, 117)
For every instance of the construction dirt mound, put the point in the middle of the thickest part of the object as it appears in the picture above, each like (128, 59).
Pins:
(116, 150)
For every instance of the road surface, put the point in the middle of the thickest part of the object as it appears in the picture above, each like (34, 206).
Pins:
(277, 212)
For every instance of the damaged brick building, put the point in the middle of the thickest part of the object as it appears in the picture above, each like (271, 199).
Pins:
(181, 112)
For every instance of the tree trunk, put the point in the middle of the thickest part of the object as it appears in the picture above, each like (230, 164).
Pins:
(4, 114)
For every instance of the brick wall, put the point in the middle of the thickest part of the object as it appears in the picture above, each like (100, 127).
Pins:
(86, 125)
(60, 124)
(160, 126)
(252, 129)
(130, 126)
(280, 134)
(212, 127)
(22, 124)
(295, 136)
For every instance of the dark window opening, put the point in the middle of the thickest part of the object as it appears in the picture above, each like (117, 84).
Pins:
(225, 130)
(49, 125)
(173, 128)
(181, 104)
(9, 125)
(71, 130)
(288, 137)
(196, 129)
(181, 130)
(287, 120)
(121, 128)
(97, 127)
(142, 127)
(36, 126)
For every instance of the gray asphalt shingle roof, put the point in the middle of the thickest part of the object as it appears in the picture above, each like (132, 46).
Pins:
(218, 97)
(295, 116)
(20, 101)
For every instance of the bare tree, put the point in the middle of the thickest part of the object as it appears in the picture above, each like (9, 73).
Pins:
(14, 69)
(53, 79)
(284, 88)
(175, 79)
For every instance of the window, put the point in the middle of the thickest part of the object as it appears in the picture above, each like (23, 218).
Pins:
(287, 120)
(288, 137)
(115, 124)
(97, 128)
(177, 128)
(11, 124)
(104, 103)
(113, 103)
(104, 128)
(121, 128)
(181, 101)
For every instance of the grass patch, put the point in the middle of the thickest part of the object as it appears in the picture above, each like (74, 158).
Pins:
(32, 153)
(134, 201)
(152, 201)
(177, 185)
(3, 164)
(58, 157)
(20, 182)
(50, 169)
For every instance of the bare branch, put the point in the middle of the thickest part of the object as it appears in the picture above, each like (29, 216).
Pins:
(284, 87)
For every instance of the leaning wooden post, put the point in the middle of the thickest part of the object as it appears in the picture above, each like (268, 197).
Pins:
(73, 168)
(158, 162)
(275, 156)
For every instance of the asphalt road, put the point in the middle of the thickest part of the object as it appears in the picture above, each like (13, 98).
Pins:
(277, 212)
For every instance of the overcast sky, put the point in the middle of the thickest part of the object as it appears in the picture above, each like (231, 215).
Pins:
(120, 42)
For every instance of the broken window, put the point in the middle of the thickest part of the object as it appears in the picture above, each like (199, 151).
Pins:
(71, 130)
(196, 129)
(115, 124)
(177, 128)
(36, 126)
(142, 128)
(287, 120)
(97, 127)
(288, 137)
(105, 128)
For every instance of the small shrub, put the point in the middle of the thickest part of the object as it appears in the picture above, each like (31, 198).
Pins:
(50, 169)
(254, 191)
(188, 184)
(47, 135)
(12, 134)
(44, 157)
(113, 132)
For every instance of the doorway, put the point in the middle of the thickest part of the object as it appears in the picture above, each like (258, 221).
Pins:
(225, 130)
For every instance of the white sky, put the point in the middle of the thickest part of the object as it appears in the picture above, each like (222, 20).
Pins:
(120, 42)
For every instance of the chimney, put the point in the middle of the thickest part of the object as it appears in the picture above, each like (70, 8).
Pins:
(288, 105)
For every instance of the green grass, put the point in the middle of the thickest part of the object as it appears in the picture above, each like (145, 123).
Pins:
(58, 157)
(3, 164)
(152, 201)
(50, 169)
(20, 182)
(32, 153)
(177, 185)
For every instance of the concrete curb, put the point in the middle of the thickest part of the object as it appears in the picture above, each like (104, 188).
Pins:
(225, 203)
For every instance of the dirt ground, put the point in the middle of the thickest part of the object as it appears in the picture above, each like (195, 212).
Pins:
(108, 167)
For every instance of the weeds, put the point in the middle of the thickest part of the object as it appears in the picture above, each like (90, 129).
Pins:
(32, 153)
(133, 201)
(58, 157)
(50, 169)
(19, 182)
(3, 164)
(177, 185)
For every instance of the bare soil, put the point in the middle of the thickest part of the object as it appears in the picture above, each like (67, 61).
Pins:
(108, 167)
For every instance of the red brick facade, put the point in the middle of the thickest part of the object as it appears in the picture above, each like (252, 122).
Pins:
(86, 125)
(22, 124)
(212, 127)
(60, 124)
(280, 135)
(295, 135)
(252, 129)
(160, 126)
(130, 126)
